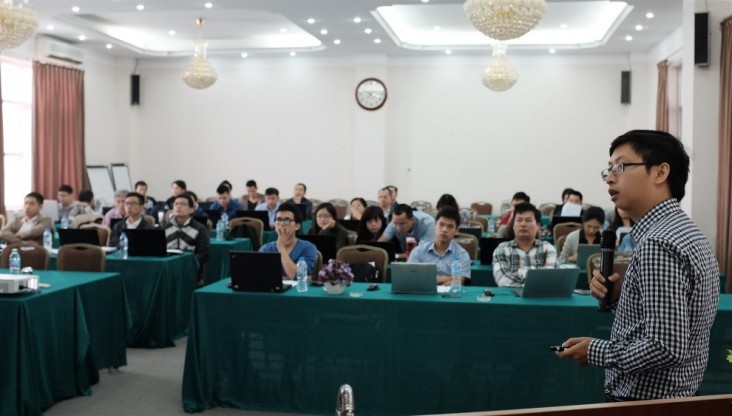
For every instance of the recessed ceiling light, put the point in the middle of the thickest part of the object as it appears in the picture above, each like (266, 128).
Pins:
(140, 7)
(244, 54)
(82, 37)
(323, 31)
(563, 26)
(75, 9)
(208, 5)
(50, 27)
(425, 1)
(171, 32)
(649, 15)
(437, 28)
(108, 46)
(628, 38)
(283, 30)
(367, 31)
(311, 20)
(448, 52)
(639, 27)
(377, 40)
(292, 54)
(552, 51)
(337, 41)
(356, 19)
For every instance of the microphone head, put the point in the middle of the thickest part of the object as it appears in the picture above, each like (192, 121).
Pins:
(607, 240)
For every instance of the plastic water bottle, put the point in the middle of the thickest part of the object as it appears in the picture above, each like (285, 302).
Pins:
(123, 245)
(220, 229)
(47, 239)
(456, 286)
(491, 226)
(65, 222)
(225, 219)
(15, 262)
(302, 275)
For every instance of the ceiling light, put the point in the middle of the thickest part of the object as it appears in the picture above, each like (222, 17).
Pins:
(552, 51)
(436, 28)
(171, 32)
(108, 46)
(628, 38)
(75, 9)
(649, 15)
(311, 20)
(283, 30)
(499, 75)
(208, 5)
(140, 7)
(367, 31)
(50, 27)
(337, 41)
(244, 54)
(356, 19)
(425, 1)
(199, 73)
(638, 27)
(504, 19)
(82, 37)
(563, 26)
(323, 31)
(293, 54)
(377, 40)
(448, 52)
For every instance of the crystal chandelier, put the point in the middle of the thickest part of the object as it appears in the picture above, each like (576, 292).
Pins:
(199, 73)
(17, 23)
(499, 75)
(504, 19)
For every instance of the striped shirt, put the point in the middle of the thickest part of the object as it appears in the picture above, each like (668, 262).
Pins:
(189, 236)
(510, 262)
(659, 344)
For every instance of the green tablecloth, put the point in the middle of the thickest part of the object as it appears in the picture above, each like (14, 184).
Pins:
(52, 343)
(218, 265)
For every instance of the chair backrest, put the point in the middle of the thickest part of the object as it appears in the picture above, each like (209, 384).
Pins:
(82, 219)
(482, 208)
(81, 258)
(564, 229)
(371, 203)
(365, 254)
(620, 265)
(469, 242)
(477, 223)
(547, 208)
(559, 243)
(104, 232)
(149, 218)
(421, 205)
(31, 255)
(341, 207)
(254, 224)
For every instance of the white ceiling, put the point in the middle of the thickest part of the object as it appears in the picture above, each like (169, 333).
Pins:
(263, 28)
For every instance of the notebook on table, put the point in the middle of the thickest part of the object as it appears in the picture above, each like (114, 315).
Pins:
(487, 247)
(78, 235)
(549, 283)
(584, 251)
(147, 243)
(414, 278)
(326, 245)
(252, 271)
(262, 215)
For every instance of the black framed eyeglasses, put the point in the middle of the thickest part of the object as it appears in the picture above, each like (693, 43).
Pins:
(619, 168)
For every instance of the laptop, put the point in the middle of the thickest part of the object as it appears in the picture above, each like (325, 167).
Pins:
(252, 271)
(214, 215)
(476, 231)
(584, 251)
(114, 221)
(262, 215)
(50, 209)
(78, 235)
(351, 225)
(391, 247)
(414, 278)
(549, 283)
(487, 247)
(326, 245)
(147, 243)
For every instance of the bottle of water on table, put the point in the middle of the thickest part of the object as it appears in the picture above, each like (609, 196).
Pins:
(47, 239)
(123, 245)
(456, 286)
(220, 227)
(15, 262)
(302, 275)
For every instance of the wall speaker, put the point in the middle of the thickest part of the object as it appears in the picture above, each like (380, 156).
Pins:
(701, 39)
(625, 87)
(135, 90)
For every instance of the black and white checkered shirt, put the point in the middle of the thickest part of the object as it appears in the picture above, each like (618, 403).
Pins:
(659, 343)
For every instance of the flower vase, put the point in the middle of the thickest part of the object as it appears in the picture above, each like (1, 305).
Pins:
(333, 288)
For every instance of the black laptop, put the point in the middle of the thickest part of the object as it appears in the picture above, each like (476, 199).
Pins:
(147, 243)
(351, 225)
(78, 235)
(252, 271)
(114, 221)
(262, 215)
(326, 245)
(214, 215)
(487, 247)
(391, 247)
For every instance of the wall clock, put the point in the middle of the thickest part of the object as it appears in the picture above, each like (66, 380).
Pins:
(371, 94)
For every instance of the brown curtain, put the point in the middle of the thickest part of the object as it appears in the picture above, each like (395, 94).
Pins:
(58, 134)
(662, 97)
(2, 160)
(724, 188)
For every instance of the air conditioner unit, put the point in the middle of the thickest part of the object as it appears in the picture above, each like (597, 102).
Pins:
(52, 48)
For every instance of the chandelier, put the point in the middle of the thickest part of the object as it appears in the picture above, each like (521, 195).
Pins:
(199, 73)
(17, 23)
(499, 75)
(504, 19)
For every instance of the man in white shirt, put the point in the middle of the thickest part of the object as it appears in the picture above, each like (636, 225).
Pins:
(271, 204)
(31, 225)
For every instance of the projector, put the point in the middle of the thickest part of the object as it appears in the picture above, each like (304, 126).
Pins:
(17, 283)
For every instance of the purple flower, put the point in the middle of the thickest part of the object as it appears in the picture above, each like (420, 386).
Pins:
(335, 272)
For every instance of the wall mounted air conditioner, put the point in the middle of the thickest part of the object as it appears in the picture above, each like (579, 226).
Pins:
(52, 48)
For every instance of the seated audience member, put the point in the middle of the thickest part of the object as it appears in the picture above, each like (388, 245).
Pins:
(299, 198)
(384, 201)
(447, 200)
(31, 225)
(176, 188)
(325, 224)
(443, 250)
(565, 198)
(357, 207)
(134, 203)
(505, 229)
(271, 204)
(407, 223)
(65, 201)
(184, 233)
(149, 207)
(251, 199)
(624, 223)
(512, 259)
(84, 204)
(574, 197)
(287, 221)
(198, 212)
(592, 221)
(225, 203)
(227, 184)
(118, 211)
(393, 194)
(372, 225)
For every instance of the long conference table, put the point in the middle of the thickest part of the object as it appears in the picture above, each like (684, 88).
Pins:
(52, 343)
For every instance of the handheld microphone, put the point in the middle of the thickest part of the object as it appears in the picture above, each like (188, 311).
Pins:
(607, 252)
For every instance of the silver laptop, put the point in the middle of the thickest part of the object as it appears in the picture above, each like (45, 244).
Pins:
(415, 278)
(584, 251)
(549, 283)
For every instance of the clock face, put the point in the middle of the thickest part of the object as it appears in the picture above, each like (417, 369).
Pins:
(371, 94)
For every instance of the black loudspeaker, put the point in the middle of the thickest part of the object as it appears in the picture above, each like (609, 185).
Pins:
(625, 87)
(701, 39)
(135, 90)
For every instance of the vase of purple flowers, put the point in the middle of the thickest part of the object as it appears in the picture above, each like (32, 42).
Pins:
(336, 275)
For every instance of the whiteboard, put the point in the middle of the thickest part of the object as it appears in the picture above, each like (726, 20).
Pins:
(121, 176)
(101, 184)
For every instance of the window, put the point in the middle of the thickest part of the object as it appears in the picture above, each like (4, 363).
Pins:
(17, 94)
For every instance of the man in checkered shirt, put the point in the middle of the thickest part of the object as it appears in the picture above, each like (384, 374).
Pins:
(659, 344)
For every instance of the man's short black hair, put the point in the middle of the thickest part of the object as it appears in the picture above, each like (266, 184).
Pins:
(392, 187)
(193, 196)
(66, 188)
(140, 183)
(521, 196)
(140, 198)
(223, 189)
(403, 209)
(578, 193)
(288, 207)
(527, 207)
(594, 213)
(272, 191)
(450, 213)
(86, 195)
(304, 188)
(447, 200)
(655, 148)
(251, 182)
(189, 199)
(37, 196)
(181, 184)
(565, 192)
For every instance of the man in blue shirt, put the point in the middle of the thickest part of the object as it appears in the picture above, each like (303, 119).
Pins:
(271, 204)
(225, 203)
(407, 223)
(287, 221)
(443, 250)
